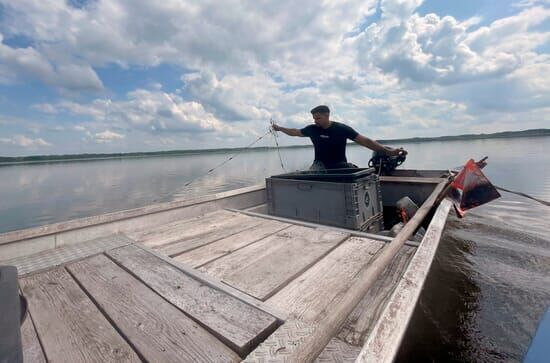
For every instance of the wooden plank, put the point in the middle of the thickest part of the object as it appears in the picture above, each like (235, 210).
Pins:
(61, 255)
(157, 329)
(200, 235)
(362, 319)
(264, 267)
(225, 246)
(384, 341)
(169, 232)
(217, 284)
(338, 351)
(32, 351)
(291, 333)
(238, 324)
(69, 325)
(178, 237)
(351, 232)
(336, 313)
(307, 296)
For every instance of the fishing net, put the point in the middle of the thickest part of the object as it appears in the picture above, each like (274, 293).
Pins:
(471, 188)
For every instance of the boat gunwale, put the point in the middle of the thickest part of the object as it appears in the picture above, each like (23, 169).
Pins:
(74, 224)
(383, 342)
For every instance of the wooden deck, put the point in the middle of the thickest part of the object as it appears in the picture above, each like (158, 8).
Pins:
(209, 288)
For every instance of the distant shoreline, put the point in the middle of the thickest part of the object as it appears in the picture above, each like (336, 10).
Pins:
(35, 159)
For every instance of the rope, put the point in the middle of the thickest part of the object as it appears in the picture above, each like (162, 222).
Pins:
(270, 131)
(543, 202)
(276, 144)
(228, 160)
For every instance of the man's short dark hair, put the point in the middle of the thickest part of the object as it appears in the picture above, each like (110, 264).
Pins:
(320, 109)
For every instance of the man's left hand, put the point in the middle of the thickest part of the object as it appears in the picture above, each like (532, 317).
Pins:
(397, 152)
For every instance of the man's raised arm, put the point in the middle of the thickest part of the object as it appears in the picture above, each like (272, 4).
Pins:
(289, 132)
(376, 146)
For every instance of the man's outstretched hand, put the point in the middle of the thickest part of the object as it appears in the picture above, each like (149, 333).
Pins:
(276, 127)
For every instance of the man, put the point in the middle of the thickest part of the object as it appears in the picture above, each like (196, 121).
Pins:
(329, 140)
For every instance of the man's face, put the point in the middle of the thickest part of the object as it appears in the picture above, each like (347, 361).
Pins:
(321, 119)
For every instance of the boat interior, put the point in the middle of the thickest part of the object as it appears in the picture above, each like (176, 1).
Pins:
(213, 279)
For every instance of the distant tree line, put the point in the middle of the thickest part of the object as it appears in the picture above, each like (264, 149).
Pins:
(496, 135)
(84, 157)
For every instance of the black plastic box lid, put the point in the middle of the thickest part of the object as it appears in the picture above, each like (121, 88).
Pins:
(348, 175)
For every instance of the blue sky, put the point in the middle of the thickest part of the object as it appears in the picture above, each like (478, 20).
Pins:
(121, 75)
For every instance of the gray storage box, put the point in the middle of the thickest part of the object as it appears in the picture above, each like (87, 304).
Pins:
(347, 198)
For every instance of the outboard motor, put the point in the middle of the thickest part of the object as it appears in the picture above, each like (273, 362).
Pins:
(384, 163)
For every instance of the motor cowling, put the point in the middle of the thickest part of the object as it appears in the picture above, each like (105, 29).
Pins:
(385, 163)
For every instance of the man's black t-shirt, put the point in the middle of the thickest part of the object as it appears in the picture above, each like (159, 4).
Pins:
(330, 143)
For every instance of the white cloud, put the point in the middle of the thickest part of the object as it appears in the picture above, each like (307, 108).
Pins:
(489, 70)
(77, 77)
(234, 97)
(151, 111)
(397, 10)
(26, 142)
(45, 108)
(428, 49)
(235, 36)
(161, 142)
(107, 136)
(29, 63)
(530, 3)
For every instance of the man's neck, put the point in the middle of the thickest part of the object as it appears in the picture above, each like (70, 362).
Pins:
(328, 125)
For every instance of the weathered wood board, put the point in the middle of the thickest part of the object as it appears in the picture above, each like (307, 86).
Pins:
(225, 246)
(279, 345)
(264, 267)
(238, 324)
(366, 313)
(70, 326)
(385, 338)
(338, 351)
(32, 351)
(307, 296)
(147, 234)
(196, 236)
(45, 260)
(171, 232)
(158, 330)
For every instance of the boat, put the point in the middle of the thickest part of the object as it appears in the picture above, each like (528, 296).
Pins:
(218, 279)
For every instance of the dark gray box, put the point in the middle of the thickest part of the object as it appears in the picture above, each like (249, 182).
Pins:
(347, 198)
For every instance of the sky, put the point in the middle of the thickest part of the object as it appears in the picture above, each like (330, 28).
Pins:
(88, 76)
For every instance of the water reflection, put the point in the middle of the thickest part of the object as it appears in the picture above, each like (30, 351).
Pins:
(45, 193)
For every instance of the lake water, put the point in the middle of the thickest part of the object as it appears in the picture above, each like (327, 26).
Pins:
(489, 284)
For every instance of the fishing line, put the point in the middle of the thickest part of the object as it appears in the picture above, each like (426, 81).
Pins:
(229, 159)
(270, 131)
(543, 202)
(276, 143)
